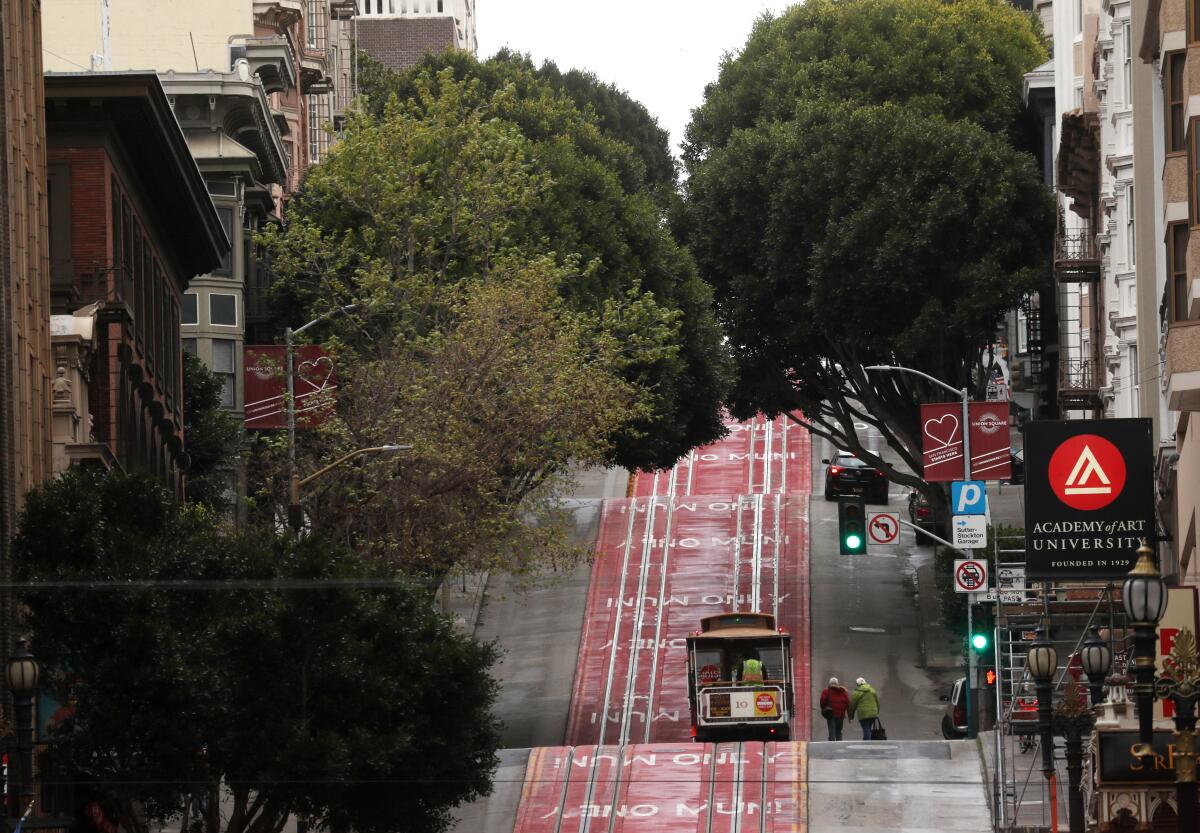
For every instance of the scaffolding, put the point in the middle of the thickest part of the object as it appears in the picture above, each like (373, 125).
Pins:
(1021, 796)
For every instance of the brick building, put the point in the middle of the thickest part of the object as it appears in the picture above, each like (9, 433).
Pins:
(399, 33)
(131, 223)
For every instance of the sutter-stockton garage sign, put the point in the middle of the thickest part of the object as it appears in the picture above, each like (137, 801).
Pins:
(1089, 497)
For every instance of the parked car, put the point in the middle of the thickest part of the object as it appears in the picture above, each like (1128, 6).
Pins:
(921, 514)
(954, 721)
(1022, 713)
(845, 474)
(1018, 466)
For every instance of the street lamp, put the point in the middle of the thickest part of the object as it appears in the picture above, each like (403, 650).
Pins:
(1042, 662)
(964, 393)
(295, 512)
(23, 673)
(1145, 598)
(1180, 683)
(289, 340)
(1073, 721)
(1097, 661)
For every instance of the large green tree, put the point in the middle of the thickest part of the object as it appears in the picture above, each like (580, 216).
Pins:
(606, 179)
(856, 199)
(243, 677)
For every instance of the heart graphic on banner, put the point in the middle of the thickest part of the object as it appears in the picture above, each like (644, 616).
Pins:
(311, 372)
(942, 429)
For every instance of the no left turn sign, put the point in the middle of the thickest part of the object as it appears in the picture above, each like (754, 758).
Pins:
(884, 528)
(970, 575)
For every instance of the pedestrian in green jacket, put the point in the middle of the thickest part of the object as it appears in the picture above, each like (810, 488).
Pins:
(864, 705)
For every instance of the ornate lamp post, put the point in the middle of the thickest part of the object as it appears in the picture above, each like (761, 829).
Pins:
(1145, 598)
(23, 675)
(1180, 682)
(1042, 662)
(1073, 720)
(1097, 661)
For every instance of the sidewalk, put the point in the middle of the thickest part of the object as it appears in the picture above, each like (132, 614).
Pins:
(462, 596)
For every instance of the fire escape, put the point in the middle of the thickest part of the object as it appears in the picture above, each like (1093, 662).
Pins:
(1077, 266)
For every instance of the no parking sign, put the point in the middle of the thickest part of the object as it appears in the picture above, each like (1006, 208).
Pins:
(970, 575)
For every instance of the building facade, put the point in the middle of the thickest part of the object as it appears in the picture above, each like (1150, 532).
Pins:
(399, 33)
(131, 223)
(24, 259)
(1171, 46)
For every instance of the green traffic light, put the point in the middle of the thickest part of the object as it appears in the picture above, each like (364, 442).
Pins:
(853, 542)
(979, 642)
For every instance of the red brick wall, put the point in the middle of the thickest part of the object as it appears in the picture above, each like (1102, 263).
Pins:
(91, 242)
(400, 43)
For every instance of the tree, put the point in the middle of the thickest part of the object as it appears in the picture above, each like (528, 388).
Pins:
(605, 188)
(264, 676)
(849, 212)
(213, 435)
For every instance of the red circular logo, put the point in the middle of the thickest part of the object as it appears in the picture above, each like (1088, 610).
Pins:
(1087, 472)
(710, 674)
(765, 702)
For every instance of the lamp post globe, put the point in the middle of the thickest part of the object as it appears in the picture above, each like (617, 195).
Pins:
(23, 671)
(1042, 658)
(1144, 592)
(1097, 661)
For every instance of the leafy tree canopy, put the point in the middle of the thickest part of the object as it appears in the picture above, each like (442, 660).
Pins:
(587, 197)
(274, 684)
(870, 221)
(953, 58)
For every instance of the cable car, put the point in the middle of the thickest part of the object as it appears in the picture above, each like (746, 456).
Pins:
(724, 704)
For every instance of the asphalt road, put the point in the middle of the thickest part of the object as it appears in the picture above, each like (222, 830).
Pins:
(864, 618)
(537, 625)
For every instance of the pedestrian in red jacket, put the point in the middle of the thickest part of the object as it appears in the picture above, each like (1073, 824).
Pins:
(835, 702)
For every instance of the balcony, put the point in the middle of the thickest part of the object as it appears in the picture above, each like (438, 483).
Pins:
(1076, 254)
(271, 59)
(1079, 383)
(1183, 367)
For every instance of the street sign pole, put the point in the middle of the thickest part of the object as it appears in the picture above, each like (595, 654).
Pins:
(972, 710)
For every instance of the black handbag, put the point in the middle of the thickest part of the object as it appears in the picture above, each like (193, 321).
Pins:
(878, 732)
(826, 712)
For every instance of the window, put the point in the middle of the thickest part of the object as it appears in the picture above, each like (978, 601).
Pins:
(1194, 178)
(146, 320)
(1193, 8)
(225, 369)
(1178, 234)
(189, 344)
(1130, 241)
(222, 310)
(226, 215)
(1127, 61)
(1175, 102)
(189, 308)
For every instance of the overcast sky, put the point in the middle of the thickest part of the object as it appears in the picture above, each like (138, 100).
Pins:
(662, 52)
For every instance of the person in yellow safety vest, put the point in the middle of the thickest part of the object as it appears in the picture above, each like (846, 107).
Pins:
(752, 671)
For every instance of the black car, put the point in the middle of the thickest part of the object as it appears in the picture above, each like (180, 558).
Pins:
(921, 514)
(1017, 457)
(845, 474)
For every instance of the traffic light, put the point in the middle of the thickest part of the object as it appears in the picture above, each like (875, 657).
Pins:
(852, 525)
(989, 677)
(980, 641)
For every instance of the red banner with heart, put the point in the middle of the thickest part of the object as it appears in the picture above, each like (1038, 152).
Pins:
(265, 379)
(941, 441)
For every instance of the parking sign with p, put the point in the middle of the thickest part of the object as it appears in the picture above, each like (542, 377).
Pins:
(968, 497)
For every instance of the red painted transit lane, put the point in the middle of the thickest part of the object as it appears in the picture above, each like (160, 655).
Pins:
(670, 556)
(666, 788)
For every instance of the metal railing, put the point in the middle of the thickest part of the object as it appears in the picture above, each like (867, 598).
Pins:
(1079, 375)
